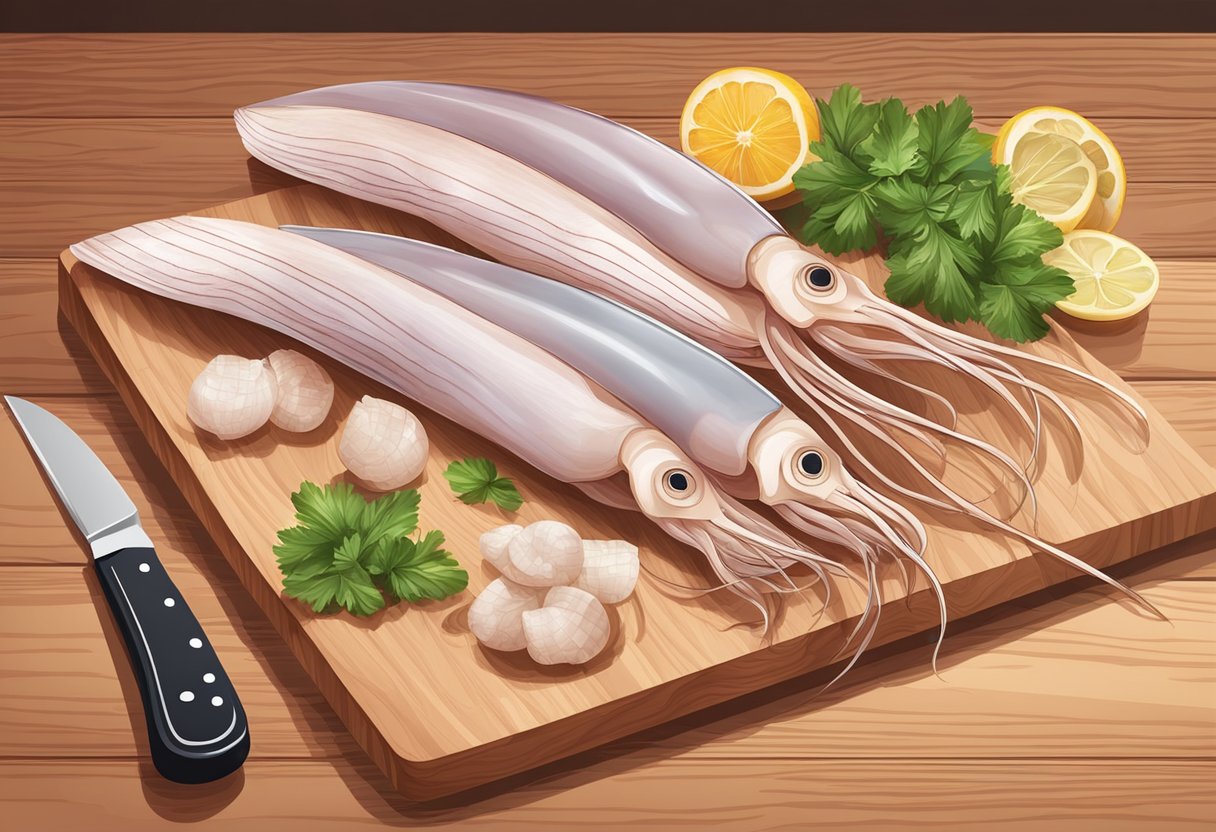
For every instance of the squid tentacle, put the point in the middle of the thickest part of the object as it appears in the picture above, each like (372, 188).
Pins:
(855, 350)
(956, 503)
(978, 373)
(961, 339)
(803, 372)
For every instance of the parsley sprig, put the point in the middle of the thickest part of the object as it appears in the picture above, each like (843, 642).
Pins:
(956, 241)
(349, 553)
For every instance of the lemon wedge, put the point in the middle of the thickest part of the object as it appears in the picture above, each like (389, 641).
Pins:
(1114, 278)
(1107, 205)
(752, 125)
(1053, 176)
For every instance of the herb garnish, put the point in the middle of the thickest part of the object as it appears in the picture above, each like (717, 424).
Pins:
(476, 480)
(348, 553)
(956, 241)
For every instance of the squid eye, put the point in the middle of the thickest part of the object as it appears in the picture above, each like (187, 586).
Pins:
(820, 278)
(811, 463)
(677, 482)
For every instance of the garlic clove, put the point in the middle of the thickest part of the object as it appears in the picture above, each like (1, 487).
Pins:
(545, 553)
(306, 392)
(493, 544)
(496, 615)
(610, 569)
(232, 397)
(571, 628)
(383, 444)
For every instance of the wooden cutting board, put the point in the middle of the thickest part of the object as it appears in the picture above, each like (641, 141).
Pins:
(435, 711)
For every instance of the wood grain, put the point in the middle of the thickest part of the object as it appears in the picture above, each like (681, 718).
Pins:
(746, 796)
(36, 354)
(120, 170)
(1188, 406)
(1158, 83)
(38, 218)
(636, 75)
(240, 493)
(188, 153)
(1175, 338)
(1118, 686)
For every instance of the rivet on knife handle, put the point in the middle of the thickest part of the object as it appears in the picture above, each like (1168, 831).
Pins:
(196, 725)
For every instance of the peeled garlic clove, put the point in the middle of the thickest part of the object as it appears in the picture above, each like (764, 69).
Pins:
(546, 553)
(610, 569)
(383, 444)
(306, 391)
(493, 544)
(232, 397)
(571, 628)
(496, 615)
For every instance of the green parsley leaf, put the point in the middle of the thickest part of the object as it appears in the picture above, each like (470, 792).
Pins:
(839, 192)
(475, 480)
(304, 551)
(333, 510)
(845, 121)
(892, 145)
(419, 570)
(346, 583)
(906, 206)
(974, 211)
(1013, 303)
(1020, 232)
(933, 268)
(946, 141)
(1004, 179)
(391, 516)
(355, 590)
(327, 516)
(327, 559)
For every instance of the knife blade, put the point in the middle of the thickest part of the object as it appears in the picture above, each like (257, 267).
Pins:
(197, 728)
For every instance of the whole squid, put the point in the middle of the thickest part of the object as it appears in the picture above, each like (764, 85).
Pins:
(477, 374)
(579, 198)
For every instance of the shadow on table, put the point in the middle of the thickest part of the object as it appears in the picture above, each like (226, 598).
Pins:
(897, 663)
(1117, 344)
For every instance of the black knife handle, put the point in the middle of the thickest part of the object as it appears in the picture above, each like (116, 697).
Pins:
(196, 725)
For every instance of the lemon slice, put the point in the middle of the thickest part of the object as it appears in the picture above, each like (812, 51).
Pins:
(1104, 211)
(1114, 278)
(1053, 176)
(754, 126)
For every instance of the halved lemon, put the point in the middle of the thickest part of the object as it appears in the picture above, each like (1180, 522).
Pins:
(752, 125)
(1107, 205)
(1114, 278)
(1053, 176)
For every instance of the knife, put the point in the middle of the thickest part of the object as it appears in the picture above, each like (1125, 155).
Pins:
(196, 725)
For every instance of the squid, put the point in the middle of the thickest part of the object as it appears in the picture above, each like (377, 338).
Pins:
(464, 368)
(581, 199)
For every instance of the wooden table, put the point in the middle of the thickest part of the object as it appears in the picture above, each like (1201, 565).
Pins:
(1062, 711)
